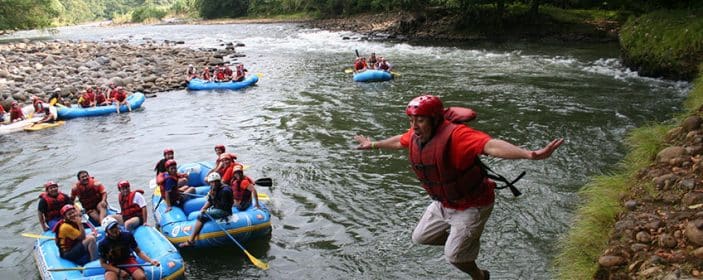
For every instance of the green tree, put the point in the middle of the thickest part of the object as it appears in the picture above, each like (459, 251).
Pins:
(27, 14)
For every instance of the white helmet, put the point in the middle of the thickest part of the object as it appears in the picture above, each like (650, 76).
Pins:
(214, 176)
(107, 222)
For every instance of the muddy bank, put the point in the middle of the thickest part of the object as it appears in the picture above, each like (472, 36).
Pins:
(445, 25)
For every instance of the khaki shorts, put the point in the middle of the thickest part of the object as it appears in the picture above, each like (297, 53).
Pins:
(458, 230)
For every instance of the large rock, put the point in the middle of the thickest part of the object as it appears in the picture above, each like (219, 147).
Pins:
(691, 123)
(694, 231)
(669, 153)
(610, 261)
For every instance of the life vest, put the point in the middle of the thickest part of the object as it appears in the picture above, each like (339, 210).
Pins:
(240, 193)
(359, 65)
(120, 96)
(38, 105)
(174, 195)
(53, 205)
(67, 242)
(128, 207)
(89, 195)
(16, 113)
(383, 66)
(206, 75)
(220, 75)
(100, 98)
(433, 167)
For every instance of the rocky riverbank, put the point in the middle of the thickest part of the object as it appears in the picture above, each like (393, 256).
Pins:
(660, 233)
(40, 68)
(446, 25)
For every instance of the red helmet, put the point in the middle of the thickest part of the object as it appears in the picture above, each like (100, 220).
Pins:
(49, 184)
(226, 156)
(123, 184)
(220, 146)
(168, 151)
(238, 168)
(66, 208)
(169, 163)
(425, 105)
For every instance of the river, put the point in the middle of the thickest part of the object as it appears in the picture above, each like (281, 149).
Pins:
(337, 212)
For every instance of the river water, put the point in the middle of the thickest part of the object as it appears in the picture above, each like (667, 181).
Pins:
(340, 213)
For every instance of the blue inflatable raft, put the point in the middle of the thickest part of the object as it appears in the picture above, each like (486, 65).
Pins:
(150, 241)
(199, 84)
(372, 76)
(177, 225)
(135, 101)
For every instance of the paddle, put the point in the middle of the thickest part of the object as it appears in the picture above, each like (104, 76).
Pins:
(81, 268)
(258, 263)
(261, 196)
(33, 235)
(348, 70)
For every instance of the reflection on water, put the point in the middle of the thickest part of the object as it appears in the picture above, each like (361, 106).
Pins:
(338, 212)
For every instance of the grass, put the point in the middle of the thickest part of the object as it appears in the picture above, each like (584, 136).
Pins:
(665, 43)
(590, 232)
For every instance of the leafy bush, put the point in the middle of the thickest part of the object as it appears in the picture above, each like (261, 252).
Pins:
(141, 14)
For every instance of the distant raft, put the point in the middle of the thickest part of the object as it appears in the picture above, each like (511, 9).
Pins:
(135, 100)
(40, 126)
(150, 241)
(18, 125)
(199, 84)
(369, 76)
(177, 224)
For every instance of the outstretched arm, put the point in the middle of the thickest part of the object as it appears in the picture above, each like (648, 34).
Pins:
(365, 143)
(503, 149)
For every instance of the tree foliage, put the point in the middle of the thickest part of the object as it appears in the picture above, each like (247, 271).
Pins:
(27, 14)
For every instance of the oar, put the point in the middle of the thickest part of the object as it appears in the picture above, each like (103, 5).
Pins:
(357, 52)
(261, 196)
(33, 235)
(348, 70)
(81, 268)
(395, 73)
(258, 263)
(259, 75)
(264, 182)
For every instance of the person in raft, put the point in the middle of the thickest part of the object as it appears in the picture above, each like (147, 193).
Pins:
(50, 203)
(175, 188)
(161, 165)
(92, 195)
(360, 65)
(50, 114)
(73, 243)
(120, 98)
(16, 112)
(218, 206)
(117, 252)
(133, 211)
(88, 98)
(243, 189)
(444, 156)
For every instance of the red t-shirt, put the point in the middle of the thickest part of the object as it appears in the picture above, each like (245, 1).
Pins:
(466, 144)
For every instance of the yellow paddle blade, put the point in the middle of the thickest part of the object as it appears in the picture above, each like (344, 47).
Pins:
(395, 73)
(260, 75)
(32, 235)
(348, 70)
(258, 263)
(263, 196)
